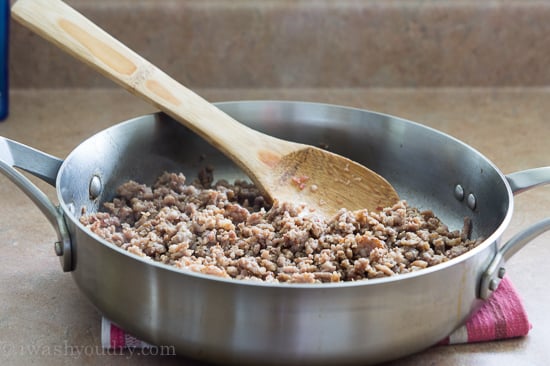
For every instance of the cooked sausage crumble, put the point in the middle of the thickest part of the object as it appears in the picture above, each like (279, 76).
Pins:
(228, 230)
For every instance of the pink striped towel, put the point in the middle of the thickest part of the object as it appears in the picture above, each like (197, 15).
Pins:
(501, 317)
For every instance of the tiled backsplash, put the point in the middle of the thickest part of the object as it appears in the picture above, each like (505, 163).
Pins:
(308, 43)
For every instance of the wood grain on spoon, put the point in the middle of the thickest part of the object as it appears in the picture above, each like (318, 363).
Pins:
(283, 170)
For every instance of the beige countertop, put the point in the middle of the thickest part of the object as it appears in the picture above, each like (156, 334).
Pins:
(41, 309)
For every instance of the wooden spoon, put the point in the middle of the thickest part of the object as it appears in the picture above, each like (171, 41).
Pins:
(283, 170)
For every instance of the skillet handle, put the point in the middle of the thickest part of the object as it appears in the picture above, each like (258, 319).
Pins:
(519, 182)
(16, 155)
(527, 179)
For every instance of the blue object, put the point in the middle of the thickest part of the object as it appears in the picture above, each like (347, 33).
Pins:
(4, 37)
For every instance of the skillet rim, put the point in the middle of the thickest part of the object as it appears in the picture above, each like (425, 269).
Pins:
(491, 239)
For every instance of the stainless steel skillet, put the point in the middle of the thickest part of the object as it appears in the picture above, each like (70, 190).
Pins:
(244, 322)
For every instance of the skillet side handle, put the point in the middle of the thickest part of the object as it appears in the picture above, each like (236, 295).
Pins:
(16, 155)
(528, 179)
(519, 182)
(496, 270)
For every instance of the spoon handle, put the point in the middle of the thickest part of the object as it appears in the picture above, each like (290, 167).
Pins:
(62, 25)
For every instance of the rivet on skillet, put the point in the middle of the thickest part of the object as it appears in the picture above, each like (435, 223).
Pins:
(472, 201)
(459, 192)
(95, 187)
(493, 284)
(58, 248)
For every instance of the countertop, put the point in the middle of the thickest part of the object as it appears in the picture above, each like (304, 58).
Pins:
(45, 320)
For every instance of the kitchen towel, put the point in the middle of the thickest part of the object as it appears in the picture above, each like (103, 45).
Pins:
(501, 317)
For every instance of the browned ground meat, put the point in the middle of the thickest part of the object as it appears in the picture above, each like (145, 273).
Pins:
(228, 230)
